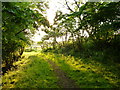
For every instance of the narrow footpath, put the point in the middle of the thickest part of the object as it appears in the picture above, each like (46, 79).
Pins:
(64, 81)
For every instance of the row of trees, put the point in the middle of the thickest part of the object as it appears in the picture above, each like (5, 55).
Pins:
(19, 22)
(96, 22)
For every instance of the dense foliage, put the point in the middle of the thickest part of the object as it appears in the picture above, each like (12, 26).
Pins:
(88, 27)
(88, 53)
(20, 20)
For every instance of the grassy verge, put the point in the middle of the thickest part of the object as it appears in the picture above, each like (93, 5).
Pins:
(87, 73)
(32, 72)
(35, 72)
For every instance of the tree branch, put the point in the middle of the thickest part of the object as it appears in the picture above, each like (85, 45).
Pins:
(68, 6)
(77, 4)
(19, 32)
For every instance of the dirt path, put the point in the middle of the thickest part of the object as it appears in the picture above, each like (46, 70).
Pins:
(64, 81)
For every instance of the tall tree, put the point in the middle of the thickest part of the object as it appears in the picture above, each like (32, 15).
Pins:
(20, 20)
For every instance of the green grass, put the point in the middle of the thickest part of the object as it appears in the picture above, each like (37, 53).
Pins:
(87, 73)
(33, 72)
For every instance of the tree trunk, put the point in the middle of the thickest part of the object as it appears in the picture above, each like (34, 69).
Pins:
(73, 40)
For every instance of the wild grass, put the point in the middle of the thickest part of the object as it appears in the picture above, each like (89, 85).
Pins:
(87, 73)
(35, 72)
(32, 72)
